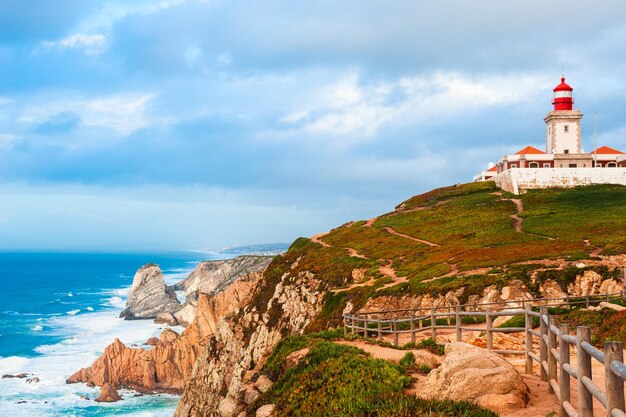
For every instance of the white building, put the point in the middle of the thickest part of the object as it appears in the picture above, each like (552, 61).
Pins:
(564, 162)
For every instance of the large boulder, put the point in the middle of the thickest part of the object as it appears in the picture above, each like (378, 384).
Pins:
(149, 295)
(478, 375)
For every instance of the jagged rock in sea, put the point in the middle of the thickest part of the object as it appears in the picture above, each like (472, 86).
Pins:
(167, 366)
(149, 295)
(214, 276)
(478, 375)
(108, 394)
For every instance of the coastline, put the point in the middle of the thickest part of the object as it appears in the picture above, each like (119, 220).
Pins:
(80, 335)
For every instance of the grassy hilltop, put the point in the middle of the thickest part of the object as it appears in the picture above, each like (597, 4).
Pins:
(466, 236)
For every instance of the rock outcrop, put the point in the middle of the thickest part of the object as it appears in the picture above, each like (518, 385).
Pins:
(474, 374)
(149, 295)
(214, 276)
(169, 363)
(283, 303)
(108, 394)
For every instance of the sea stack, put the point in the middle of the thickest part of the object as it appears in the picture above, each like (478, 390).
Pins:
(149, 295)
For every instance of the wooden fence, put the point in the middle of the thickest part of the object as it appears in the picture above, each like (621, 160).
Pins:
(554, 344)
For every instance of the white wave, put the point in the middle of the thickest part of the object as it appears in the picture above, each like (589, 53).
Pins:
(89, 308)
(69, 294)
(73, 312)
(117, 302)
(84, 338)
(37, 328)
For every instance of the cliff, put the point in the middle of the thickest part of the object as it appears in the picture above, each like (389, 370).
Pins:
(169, 363)
(459, 244)
(214, 276)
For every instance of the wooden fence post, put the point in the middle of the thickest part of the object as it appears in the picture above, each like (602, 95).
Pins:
(614, 385)
(624, 283)
(433, 324)
(543, 346)
(352, 329)
(365, 323)
(457, 324)
(395, 332)
(380, 329)
(585, 400)
(552, 365)
(528, 324)
(564, 381)
(413, 326)
(489, 324)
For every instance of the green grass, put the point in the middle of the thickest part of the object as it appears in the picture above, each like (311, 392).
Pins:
(597, 212)
(338, 380)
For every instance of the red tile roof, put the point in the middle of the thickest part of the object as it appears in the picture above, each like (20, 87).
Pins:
(529, 150)
(605, 150)
(493, 168)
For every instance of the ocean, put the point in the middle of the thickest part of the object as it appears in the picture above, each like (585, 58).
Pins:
(58, 311)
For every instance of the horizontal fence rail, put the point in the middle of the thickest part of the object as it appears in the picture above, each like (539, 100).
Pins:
(555, 344)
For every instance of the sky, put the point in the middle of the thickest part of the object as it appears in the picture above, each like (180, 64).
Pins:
(202, 124)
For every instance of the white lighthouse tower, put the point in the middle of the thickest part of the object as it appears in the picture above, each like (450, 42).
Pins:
(563, 123)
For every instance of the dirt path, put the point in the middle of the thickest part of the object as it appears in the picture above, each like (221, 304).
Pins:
(351, 251)
(370, 222)
(318, 239)
(454, 269)
(517, 220)
(426, 242)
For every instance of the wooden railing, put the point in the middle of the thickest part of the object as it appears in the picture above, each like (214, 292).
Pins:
(554, 344)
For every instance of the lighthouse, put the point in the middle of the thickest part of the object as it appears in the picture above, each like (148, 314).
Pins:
(563, 123)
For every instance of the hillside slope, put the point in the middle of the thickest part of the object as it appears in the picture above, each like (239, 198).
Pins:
(452, 245)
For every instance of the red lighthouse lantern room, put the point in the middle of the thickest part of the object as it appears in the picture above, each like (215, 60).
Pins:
(563, 99)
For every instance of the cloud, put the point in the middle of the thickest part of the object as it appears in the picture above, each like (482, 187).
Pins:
(59, 123)
(121, 113)
(89, 44)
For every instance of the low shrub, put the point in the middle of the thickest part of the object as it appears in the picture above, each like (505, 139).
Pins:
(431, 346)
(408, 360)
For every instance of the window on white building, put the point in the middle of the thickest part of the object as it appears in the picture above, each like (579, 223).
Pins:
(611, 165)
(546, 165)
(533, 165)
(513, 165)
(566, 128)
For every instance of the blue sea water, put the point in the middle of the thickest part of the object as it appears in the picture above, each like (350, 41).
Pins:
(58, 311)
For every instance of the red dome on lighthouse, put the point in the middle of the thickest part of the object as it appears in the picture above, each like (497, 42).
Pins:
(563, 98)
(563, 86)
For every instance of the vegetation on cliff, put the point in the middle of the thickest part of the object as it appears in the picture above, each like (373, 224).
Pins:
(340, 380)
(466, 237)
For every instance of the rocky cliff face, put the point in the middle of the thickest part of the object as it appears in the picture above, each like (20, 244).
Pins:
(213, 276)
(169, 363)
(284, 302)
(149, 295)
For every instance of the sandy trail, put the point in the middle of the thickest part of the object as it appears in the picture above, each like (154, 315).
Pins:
(426, 242)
